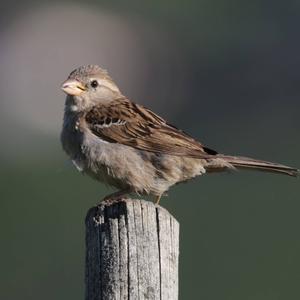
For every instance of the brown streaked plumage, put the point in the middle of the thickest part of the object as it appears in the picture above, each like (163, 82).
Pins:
(128, 146)
(142, 129)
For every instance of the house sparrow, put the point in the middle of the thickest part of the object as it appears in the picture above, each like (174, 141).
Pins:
(130, 147)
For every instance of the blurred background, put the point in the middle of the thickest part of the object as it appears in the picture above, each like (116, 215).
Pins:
(227, 72)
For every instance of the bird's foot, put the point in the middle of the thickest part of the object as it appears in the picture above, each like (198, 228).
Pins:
(109, 200)
(157, 199)
(115, 197)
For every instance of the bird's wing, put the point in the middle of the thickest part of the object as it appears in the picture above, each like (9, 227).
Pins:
(130, 124)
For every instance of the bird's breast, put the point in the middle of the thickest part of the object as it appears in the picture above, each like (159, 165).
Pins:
(72, 135)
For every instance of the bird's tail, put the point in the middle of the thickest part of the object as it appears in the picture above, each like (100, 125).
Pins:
(260, 165)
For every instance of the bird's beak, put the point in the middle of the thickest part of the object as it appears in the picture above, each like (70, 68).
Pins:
(73, 87)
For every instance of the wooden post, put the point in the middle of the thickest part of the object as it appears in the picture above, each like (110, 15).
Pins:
(132, 249)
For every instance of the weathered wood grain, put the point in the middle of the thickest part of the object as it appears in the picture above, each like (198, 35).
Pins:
(132, 250)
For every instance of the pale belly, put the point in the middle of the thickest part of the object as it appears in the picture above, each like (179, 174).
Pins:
(125, 167)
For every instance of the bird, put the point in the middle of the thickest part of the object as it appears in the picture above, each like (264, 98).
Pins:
(126, 145)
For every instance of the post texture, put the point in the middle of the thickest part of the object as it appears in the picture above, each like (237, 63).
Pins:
(132, 249)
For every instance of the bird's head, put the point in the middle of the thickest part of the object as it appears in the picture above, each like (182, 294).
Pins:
(88, 86)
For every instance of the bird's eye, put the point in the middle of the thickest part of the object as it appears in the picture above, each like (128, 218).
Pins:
(94, 83)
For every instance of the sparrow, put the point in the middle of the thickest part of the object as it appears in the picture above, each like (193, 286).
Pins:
(129, 147)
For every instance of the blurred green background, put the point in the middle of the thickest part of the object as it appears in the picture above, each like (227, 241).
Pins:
(227, 72)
